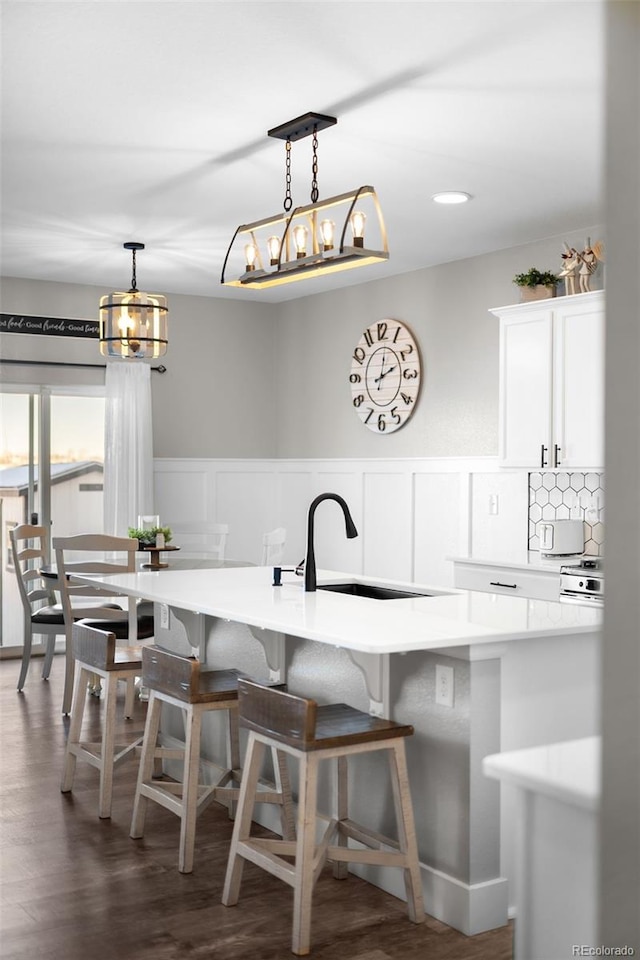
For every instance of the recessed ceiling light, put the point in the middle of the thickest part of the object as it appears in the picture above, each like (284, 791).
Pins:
(451, 196)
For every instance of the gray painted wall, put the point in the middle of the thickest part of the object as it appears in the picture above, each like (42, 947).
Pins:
(447, 309)
(217, 397)
(261, 380)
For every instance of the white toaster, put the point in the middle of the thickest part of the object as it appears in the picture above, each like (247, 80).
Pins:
(560, 538)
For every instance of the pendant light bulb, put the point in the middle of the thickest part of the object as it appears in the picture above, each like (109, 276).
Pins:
(251, 253)
(327, 230)
(300, 240)
(128, 325)
(357, 220)
(273, 248)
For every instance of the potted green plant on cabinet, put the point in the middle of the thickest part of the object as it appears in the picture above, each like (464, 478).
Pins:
(536, 284)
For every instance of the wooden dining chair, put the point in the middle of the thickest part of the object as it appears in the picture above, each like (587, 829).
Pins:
(127, 619)
(42, 615)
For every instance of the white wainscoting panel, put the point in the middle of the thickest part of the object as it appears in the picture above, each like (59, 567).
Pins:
(294, 494)
(441, 525)
(245, 501)
(388, 525)
(183, 493)
(410, 514)
(332, 549)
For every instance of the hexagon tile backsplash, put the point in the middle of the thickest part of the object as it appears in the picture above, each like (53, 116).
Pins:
(568, 496)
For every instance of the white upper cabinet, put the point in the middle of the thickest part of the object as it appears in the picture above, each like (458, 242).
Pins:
(552, 382)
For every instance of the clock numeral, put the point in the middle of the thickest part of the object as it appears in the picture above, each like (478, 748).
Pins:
(368, 337)
(406, 351)
(382, 330)
(355, 378)
(409, 374)
(382, 426)
(359, 355)
(407, 399)
(368, 416)
(395, 415)
(358, 400)
(395, 336)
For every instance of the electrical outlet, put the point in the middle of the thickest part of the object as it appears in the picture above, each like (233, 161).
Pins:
(164, 616)
(444, 685)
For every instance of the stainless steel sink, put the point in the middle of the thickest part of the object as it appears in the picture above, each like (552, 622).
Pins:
(371, 590)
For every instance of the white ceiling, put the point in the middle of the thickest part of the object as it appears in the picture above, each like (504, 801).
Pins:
(136, 120)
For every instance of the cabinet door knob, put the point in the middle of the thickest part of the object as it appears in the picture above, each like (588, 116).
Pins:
(543, 450)
(556, 455)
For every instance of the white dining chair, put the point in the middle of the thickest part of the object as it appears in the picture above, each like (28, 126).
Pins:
(217, 534)
(273, 546)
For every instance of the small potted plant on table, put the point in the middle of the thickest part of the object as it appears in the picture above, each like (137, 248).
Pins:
(536, 284)
(148, 537)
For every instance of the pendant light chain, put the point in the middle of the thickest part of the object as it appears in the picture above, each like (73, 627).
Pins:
(133, 270)
(314, 167)
(288, 201)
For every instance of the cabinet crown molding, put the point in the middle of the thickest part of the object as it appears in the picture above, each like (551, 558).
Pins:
(593, 297)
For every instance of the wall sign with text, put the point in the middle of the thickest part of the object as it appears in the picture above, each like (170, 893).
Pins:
(48, 326)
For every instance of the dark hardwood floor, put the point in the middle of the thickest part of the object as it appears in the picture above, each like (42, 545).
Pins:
(74, 887)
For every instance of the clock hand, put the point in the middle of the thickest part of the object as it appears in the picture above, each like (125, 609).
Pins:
(382, 371)
(383, 374)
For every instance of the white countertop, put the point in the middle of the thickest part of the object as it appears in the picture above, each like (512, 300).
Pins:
(451, 618)
(568, 771)
(527, 560)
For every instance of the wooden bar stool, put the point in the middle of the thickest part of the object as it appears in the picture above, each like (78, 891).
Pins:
(96, 652)
(312, 733)
(184, 683)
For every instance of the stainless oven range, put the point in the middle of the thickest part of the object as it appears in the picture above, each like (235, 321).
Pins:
(583, 582)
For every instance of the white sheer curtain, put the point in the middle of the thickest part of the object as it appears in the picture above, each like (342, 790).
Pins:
(128, 461)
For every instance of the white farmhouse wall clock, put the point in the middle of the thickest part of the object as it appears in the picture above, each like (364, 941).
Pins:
(385, 376)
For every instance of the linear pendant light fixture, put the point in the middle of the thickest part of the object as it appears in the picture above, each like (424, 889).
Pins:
(303, 242)
(133, 325)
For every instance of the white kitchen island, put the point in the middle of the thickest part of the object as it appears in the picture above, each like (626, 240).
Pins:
(525, 672)
(558, 794)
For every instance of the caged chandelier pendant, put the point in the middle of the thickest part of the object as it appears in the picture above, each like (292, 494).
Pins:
(304, 242)
(133, 325)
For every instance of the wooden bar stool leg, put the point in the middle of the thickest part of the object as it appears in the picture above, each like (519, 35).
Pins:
(130, 697)
(147, 761)
(193, 726)
(242, 825)
(406, 830)
(305, 850)
(107, 750)
(233, 752)
(341, 867)
(283, 786)
(73, 738)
